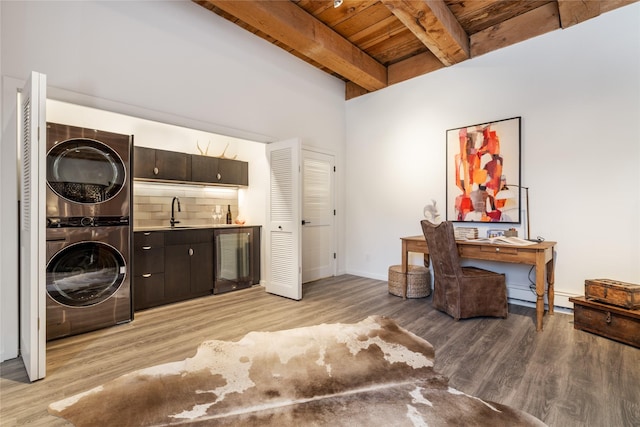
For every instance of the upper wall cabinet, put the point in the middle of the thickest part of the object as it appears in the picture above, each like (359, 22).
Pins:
(150, 163)
(219, 171)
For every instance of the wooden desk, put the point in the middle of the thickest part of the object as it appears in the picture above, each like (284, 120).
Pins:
(539, 254)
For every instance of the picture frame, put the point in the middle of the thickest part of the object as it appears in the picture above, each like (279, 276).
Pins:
(495, 232)
(483, 172)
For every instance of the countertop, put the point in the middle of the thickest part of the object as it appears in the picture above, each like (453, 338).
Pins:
(190, 227)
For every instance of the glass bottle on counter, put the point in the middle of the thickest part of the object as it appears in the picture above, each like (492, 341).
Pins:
(229, 220)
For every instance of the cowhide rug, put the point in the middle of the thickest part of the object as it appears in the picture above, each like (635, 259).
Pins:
(372, 373)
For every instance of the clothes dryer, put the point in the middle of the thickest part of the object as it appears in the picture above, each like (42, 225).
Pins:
(88, 172)
(87, 276)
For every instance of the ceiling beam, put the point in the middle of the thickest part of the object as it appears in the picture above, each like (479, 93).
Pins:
(352, 90)
(294, 27)
(574, 12)
(414, 66)
(531, 24)
(435, 26)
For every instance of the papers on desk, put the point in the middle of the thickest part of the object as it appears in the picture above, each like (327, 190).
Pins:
(503, 240)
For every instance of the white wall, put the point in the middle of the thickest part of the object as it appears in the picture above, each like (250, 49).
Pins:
(168, 61)
(578, 92)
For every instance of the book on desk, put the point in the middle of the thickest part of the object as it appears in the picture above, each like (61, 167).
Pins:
(502, 240)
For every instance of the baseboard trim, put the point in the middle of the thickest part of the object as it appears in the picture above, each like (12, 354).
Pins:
(522, 295)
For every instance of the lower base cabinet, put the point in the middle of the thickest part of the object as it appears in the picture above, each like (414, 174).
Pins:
(148, 291)
(171, 266)
(177, 265)
(189, 270)
(148, 269)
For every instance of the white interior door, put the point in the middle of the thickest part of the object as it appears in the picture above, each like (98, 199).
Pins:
(318, 216)
(32, 140)
(283, 258)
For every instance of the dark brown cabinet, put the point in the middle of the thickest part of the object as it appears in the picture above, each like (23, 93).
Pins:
(201, 280)
(189, 264)
(180, 264)
(234, 172)
(177, 273)
(205, 169)
(149, 163)
(148, 269)
(171, 266)
(219, 171)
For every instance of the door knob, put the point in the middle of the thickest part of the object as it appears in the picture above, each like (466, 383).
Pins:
(190, 251)
(155, 171)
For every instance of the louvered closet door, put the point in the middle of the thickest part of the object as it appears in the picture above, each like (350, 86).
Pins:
(32, 135)
(283, 237)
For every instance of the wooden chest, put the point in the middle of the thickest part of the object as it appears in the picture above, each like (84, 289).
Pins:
(609, 321)
(614, 292)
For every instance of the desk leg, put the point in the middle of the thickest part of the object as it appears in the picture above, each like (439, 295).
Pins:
(550, 281)
(540, 281)
(404, 267)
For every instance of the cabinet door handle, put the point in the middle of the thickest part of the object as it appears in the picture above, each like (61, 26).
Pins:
(146, 248)
(219, 176)
(156, 170)
(146, 275)
(147, 233)
(190, 251)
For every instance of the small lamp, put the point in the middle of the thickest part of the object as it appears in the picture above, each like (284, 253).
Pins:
(506, 193)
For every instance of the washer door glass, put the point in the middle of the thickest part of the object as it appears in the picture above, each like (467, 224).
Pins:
(85, 274)
(85, 171)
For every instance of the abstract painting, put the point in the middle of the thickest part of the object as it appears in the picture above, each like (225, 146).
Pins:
(482, 160)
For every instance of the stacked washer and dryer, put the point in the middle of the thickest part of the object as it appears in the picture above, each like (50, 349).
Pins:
(88, 208)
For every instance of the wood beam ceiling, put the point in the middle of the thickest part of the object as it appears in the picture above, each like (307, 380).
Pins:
(437, 25)
(433, 24)
(292, 26)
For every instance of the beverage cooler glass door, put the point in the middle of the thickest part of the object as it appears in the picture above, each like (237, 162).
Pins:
(234, 255)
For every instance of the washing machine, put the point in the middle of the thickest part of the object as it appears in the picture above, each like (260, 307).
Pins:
(87, 276)
(88, 172)
(88, 233)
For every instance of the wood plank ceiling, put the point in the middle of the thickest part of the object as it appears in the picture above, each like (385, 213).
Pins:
(371, 44)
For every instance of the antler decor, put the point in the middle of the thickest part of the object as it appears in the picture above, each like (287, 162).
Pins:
(222, 156)
(204, 153)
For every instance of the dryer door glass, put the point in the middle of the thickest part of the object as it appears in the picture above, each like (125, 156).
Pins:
(85, 171)
(85, 274)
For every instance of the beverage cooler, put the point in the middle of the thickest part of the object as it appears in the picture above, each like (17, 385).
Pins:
(237, 258)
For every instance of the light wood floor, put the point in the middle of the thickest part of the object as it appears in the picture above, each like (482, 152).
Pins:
(563, 376)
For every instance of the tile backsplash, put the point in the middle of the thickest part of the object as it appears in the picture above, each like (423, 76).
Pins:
(152, 204)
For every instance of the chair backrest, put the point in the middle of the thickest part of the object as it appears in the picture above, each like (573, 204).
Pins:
(442, 246)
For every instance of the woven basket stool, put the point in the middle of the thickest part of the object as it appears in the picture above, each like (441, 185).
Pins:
(417, 278)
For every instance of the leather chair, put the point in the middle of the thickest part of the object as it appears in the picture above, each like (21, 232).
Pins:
(461, 292)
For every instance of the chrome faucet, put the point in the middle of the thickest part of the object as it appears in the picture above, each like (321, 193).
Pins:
(173, 215)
